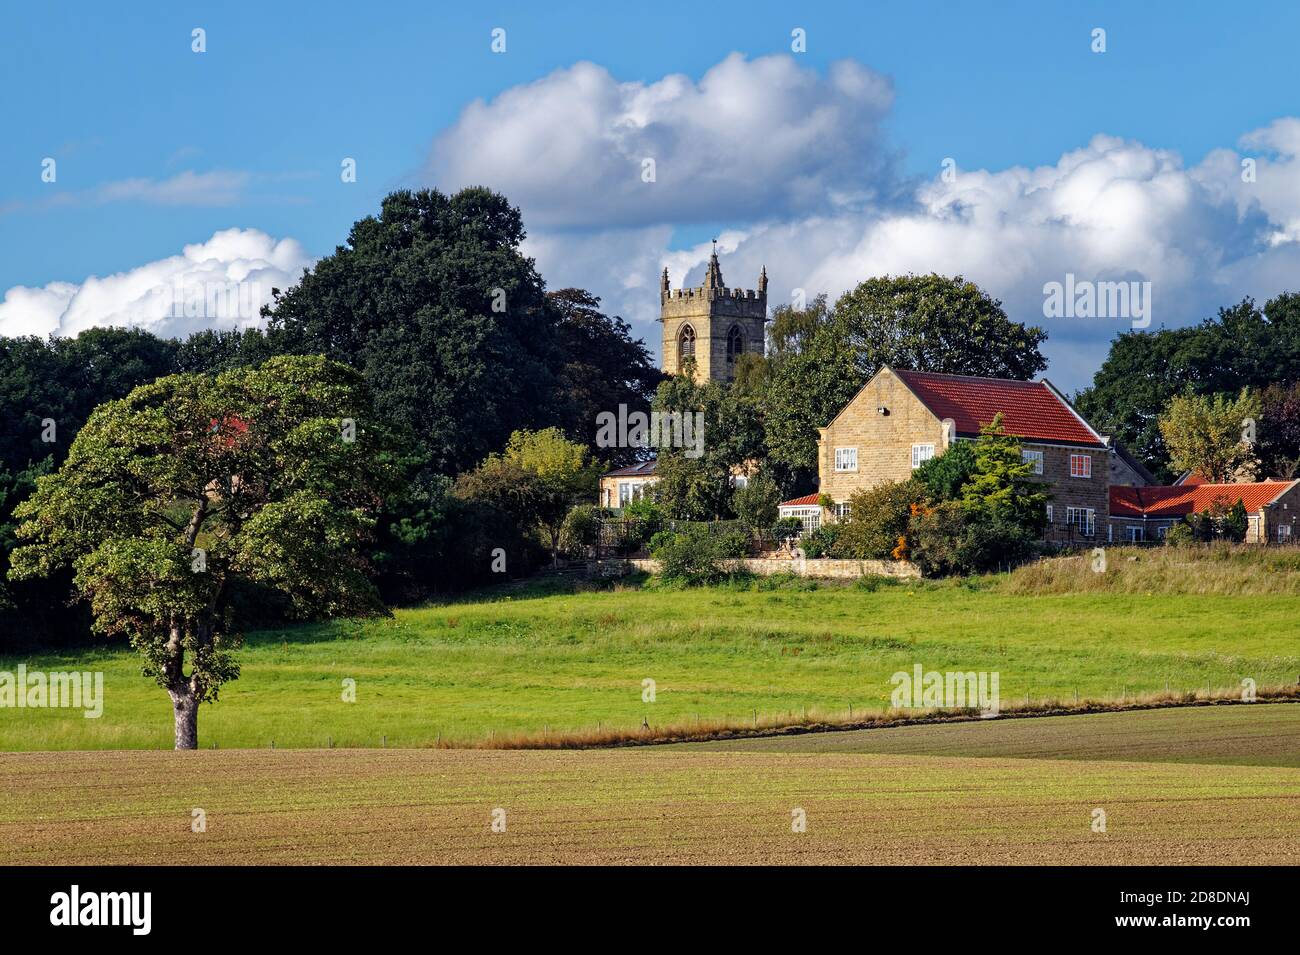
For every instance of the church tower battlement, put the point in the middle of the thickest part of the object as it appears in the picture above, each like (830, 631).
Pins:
(713, 324)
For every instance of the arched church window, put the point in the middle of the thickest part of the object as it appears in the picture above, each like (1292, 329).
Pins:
(735, 343)
(686, 344)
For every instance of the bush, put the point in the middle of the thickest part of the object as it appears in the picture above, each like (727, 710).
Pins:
(821, 542)
(950, 539)
(786, 528)
(1180, 535)
(578, 532)
(878, 517)
(691, 557)
(732, 543)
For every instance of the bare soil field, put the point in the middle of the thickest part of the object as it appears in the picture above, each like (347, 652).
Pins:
(1261, 734)
(642, 806)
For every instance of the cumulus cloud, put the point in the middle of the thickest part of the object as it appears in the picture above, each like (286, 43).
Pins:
(798, 164)
(571, 148)
(220, 283)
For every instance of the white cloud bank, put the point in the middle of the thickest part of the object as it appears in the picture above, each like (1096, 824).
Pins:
(762, 134)
(799, 165)
(220, 283)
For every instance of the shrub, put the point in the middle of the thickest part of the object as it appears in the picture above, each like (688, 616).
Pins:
(732, 543)
(691, 557)
(950, 539)
(878, 517)
(578, 532)
(821, 542)
(1180, 535)
(786, 528)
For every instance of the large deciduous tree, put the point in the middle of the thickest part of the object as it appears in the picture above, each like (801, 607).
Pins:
(434, 302)
(1213, 436)
(173, 494)
(1242, 346)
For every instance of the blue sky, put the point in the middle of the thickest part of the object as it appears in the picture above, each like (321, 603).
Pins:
(158, 147)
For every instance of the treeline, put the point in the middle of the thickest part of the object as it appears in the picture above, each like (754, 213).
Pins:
(1242, 347)
(459, 343)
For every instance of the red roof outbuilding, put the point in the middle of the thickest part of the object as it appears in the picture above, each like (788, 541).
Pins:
(1179, 500)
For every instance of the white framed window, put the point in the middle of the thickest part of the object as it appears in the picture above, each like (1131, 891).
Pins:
(1110, 533)
(1284, 533)
(739, 481)
(1081, 465)
(1035, 458)
(921, 453)
(626, 489)
(846, 459)
(1049, 513)
(841, 510)
(1082, 519)
(1133, 534)
(1162, 531)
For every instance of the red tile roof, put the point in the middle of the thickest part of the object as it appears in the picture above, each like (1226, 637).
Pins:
(1030, 409)
(1179, 500)
(806, 501)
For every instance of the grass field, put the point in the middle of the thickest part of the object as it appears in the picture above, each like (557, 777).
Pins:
(674, 805)
(523, 661)
(1264, 734)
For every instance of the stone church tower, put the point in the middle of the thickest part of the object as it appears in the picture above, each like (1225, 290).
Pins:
(713, 324)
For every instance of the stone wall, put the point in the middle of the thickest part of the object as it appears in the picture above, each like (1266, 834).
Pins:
(767, 566)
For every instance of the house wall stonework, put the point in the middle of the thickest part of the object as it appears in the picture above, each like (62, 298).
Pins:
(883, 441)
(1066, 491)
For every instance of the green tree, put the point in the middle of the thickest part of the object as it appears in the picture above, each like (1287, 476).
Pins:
(599, 367)
(188, 486)
(945, 475)
(538, 478)
(695, 482)
(446, 318)
(1241, 346)
(1209, 435)
(757, 502)
(1000, 485)
(935, 323)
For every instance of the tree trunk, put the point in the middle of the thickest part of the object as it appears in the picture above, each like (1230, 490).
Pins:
(186, 708)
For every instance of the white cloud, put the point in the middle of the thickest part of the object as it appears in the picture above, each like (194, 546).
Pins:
(751, 134)
(799, 166)
(220, 283)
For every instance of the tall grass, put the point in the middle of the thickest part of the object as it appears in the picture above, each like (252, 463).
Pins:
(1219, 569)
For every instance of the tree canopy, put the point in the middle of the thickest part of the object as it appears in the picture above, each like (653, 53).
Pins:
(174, 494)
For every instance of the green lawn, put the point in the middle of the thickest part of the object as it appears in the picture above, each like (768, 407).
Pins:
(521, 661)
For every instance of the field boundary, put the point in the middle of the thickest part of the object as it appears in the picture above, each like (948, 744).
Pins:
(708, 733)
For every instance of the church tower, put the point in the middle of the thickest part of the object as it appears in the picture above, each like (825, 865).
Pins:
(713, 324)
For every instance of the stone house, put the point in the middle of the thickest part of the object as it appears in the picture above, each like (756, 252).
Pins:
(900, 419)
(622, 486)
